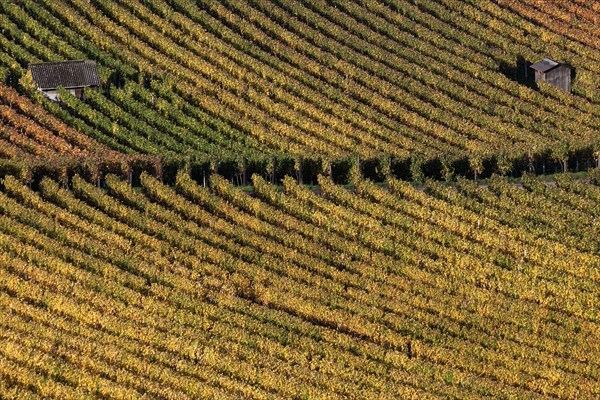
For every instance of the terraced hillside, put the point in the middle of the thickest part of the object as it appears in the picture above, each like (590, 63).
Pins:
(187, 292)
(221, 80)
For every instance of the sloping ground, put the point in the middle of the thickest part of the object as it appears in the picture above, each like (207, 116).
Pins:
(187, 292)
(575, 20)
(246, 79)
(32, 139)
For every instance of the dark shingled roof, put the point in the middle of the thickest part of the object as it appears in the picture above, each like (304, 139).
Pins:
(545, 65)
(68, 74)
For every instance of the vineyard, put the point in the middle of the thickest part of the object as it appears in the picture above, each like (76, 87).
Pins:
(158, 238)
(262, 85)
(188, 292)
(35, 143)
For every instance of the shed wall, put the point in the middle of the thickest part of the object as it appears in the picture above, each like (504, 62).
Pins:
(559, 77)
(53, 94)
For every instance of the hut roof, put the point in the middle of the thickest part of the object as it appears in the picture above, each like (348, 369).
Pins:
(545, 65)
(68, 74)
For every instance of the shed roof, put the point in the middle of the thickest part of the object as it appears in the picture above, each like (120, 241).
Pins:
(545, 65)
(68, 74)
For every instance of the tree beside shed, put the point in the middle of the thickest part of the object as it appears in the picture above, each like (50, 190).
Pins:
(73, 76)
(554, 73)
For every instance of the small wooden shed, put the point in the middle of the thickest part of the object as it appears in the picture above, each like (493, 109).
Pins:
(71, 75)
(555, 73)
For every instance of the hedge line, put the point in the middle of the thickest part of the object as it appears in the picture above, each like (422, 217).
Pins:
(306, 169)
